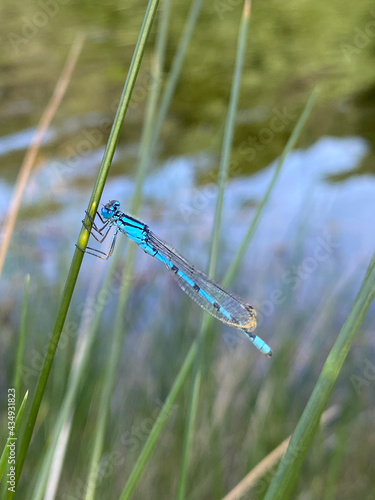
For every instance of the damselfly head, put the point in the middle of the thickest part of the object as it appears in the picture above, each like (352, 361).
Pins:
(110, 209)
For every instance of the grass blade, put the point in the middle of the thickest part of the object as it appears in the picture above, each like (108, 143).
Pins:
(54, 455)
(119, 330)
(223, 175)
(287, 473)
(190, 357)
(28, 162)
(159, 425)
(265, 465)
(288, 148)
(175, 71)
(84, 234)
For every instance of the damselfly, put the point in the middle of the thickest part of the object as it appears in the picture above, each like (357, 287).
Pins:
(213, 298)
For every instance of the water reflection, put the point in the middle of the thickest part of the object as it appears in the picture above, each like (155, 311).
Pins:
(181, 210)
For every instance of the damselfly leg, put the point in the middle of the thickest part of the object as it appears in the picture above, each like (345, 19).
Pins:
(107, 225)
(106, 255)
(95, 227)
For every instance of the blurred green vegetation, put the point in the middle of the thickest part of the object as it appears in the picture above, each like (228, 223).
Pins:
(292, 47)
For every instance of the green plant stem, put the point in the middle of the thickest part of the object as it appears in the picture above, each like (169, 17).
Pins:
(223, 176)
(159, 424)
(150, 444)
(84, 235)
(75, 381)
(150, 131)
(119, 330)
(287, 473)
(233, 268)
(175, 71)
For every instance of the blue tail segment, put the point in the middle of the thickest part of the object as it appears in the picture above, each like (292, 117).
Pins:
(214, 299)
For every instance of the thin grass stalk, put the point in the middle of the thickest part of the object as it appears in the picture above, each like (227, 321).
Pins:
(223, 176)
(83, 347)
(159, 424)
(151, 134)
(85, 344)
(119, 330)
(192, 410)
(229, 133)
(32, 152)
(79, 367)
(150, 130)
(287, 474)
(58, 462)
(75, 380)
(175, 71)
(268, 462)
(182, 375)
(233, 268)
(84, 234)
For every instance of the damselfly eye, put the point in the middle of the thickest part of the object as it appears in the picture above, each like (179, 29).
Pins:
(106, 213)
(110, 209)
